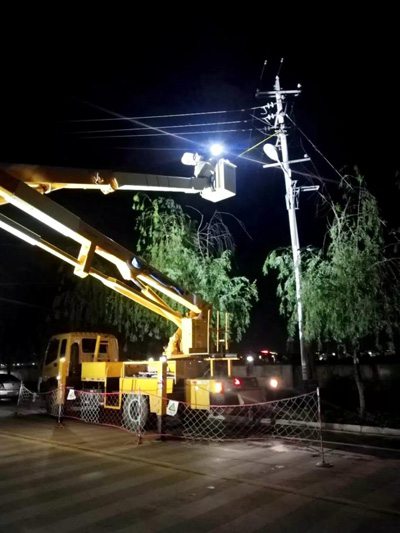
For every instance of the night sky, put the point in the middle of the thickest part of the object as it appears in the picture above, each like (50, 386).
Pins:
(75, 69)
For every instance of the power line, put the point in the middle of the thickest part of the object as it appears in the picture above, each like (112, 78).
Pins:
(163, 134)
(314, 176)
(136, 121)
(182, 149)
(258, 144)
(146, 117)
(315, 147)
(203, 124)
(147, 148)
(166, 133)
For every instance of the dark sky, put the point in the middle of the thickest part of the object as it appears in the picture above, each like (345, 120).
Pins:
(71, 66)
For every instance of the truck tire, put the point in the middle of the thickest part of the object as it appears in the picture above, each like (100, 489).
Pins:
(135, 412)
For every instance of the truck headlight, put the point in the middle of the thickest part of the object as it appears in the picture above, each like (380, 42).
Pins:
(273, 383)
(218, 388)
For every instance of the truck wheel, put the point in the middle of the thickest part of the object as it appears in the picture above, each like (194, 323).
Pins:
(135, 412)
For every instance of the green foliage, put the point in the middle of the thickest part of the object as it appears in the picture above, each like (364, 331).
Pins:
(345, 290)
(282, 261)
(195, 254)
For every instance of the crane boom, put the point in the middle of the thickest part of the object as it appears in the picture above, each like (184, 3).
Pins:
(215, 186)
(107, 261)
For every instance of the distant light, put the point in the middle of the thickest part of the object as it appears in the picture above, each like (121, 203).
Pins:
(163, 359)
(216, 149)
(264, 351)
(150, 359)
(249, 358)
(236, 382)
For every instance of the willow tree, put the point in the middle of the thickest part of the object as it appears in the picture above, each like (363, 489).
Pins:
(348, 285)
(195, 253)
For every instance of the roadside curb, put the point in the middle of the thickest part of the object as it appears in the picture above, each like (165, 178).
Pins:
(363, 430)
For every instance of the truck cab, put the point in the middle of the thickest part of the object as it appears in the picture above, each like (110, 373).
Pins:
(66, 352)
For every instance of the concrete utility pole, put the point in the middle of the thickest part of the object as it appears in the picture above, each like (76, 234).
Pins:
(292, 198)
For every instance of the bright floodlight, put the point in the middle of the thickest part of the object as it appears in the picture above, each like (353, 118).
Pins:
(271, 152)
(190, 159)
(216, 149)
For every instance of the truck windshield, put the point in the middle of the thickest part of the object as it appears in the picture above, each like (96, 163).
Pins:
(52, 351)
(89, 345)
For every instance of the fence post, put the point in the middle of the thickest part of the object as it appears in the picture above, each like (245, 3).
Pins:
(162, 398)
(322, 462)
(19, 398)
(61, 399)
(20, 391)
(139, 432)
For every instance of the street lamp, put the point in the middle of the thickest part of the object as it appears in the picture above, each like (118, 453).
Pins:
(271, 152)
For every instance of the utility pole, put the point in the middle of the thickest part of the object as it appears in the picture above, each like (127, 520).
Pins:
(292, 198)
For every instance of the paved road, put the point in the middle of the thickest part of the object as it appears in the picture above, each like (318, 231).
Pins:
(84, 478)
(7, 408)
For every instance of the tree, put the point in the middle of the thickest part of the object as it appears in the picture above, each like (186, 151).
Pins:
(194, 253)
(345, 285)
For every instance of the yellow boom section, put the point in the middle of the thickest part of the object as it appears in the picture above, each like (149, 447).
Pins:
(131, 275)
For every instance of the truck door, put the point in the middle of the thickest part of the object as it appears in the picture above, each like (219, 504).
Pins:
(50, 365)
(75, 365)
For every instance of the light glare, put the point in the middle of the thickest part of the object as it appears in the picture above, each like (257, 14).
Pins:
(273, 383)
(216, 149)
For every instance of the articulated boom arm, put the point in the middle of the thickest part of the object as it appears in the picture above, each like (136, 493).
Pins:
(212, 182)
(96, 253)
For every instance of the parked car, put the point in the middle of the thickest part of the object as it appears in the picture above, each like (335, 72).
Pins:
(9, 386)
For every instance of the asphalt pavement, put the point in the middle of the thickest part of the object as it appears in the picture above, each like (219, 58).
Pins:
(82, 478)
